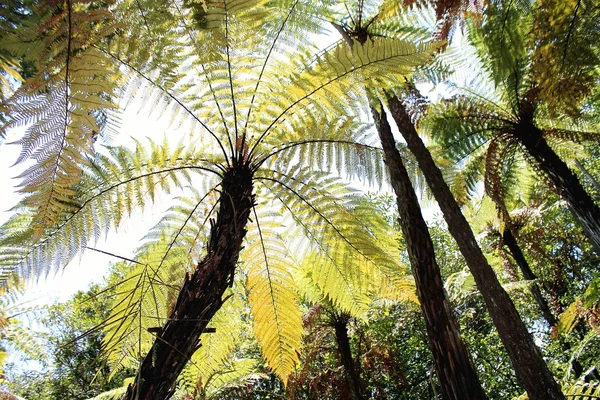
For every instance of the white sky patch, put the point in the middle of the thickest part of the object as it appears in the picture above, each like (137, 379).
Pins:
(92, 266)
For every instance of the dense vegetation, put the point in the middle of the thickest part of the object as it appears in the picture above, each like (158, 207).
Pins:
(281, 241)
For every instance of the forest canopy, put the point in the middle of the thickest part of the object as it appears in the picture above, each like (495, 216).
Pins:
(359, 200)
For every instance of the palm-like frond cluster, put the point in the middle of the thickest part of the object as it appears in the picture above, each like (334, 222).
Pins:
(245, 104)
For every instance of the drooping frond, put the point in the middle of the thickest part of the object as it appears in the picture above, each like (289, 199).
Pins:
(143, 299)
(111, 188)
(240, 373)
(349, 247)
(463, 124)
(566, 57)
(502, 39)
(140, 307)
(273, 296)
(495, 170)
(61, 103)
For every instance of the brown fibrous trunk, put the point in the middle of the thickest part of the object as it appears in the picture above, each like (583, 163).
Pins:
(530, 368)
(563, 180)
(457, 377)
(201, 295)
(340, 325)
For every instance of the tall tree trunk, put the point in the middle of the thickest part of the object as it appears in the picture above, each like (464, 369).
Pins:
(340, 324)
(530, 368)
(515, 251)
(456, 374)
(563, 179)
(201, 295)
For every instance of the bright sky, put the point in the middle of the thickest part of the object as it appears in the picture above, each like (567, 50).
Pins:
(83, 271)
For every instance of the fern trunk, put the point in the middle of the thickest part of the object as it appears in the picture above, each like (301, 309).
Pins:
(455, 371)
(563, 180)
(351, 375)
(515, 251)
(530, 368)
(201, 295)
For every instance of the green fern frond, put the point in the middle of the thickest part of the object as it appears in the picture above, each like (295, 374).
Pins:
(240, 373)
(463, 124)
(565, 59)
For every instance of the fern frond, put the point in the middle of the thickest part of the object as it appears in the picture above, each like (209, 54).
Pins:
(144, 297)
(273, 298)
(328, 75)
(217, 348)
(564, 60)
(74, 84)
(463, 124)
(112, 187)
(349, 248)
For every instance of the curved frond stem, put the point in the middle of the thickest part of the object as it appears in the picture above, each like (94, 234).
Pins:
(168, 94)
(481, 97)
(114, 255)
(568, 38)
(318, 242)
(209, 81)
(262, 70)
(112, 187)
(312, 141)
(312, 207)
(139, 6)
(235, 124)
(92, 296)
(309, 94)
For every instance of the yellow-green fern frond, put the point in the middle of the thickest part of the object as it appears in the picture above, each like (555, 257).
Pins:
(215, 357)
(576, 391)
(111, 188)
(147, 292)
(273, 297)
(60, 103)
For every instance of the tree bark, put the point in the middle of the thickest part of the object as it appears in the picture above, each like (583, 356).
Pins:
(530, 368)
(456, 374)
(563, 179)
(201, 295)
(351, 375)
(515, 251)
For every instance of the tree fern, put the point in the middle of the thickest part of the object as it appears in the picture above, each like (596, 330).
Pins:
(246, 97)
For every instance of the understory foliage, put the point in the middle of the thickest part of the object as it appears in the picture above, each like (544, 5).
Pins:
(269, 88)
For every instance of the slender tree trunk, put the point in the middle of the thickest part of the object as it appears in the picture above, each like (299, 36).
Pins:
(515, 251)
(201, 295)
(456, 374)
(563, 179)
(530, 368)
(340, 324)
